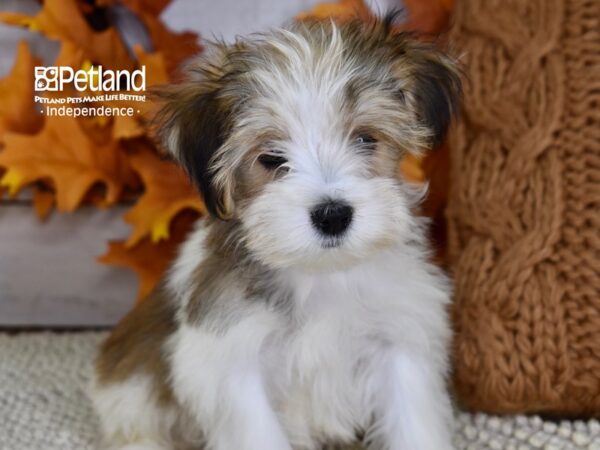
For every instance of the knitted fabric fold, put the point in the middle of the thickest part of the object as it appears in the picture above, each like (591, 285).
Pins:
(524, 207)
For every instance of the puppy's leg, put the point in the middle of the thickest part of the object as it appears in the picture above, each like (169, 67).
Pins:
(218, 375)
(130, 391)
(414, 408)
(130, 417)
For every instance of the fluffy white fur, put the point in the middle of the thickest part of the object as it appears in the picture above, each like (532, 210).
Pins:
(129, 417)
(363, 341)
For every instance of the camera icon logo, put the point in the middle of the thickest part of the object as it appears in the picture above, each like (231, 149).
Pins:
(46, 79)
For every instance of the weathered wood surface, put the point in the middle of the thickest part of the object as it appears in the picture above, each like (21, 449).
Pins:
(48, 272)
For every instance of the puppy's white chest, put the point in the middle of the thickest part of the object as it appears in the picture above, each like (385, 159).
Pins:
(324, 397)
(328, 361)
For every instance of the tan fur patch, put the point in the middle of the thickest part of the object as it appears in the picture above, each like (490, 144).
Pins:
(137, 345)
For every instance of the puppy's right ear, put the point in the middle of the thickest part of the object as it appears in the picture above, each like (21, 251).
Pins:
(193, 125)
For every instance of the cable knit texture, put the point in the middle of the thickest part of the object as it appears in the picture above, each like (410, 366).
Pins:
(524, 208)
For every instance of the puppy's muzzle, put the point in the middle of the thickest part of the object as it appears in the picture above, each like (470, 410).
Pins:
(332, 218)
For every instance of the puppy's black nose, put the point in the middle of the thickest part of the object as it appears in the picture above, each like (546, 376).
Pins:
(332, 218)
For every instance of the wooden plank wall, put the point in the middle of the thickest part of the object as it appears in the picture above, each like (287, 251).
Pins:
(48, 272)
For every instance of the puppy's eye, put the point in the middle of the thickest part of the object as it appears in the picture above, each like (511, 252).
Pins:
(271, 161)
(366, 140)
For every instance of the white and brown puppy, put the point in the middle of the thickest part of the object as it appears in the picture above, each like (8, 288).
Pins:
(305, 310)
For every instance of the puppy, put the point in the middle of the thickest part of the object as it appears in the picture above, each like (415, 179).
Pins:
(304, 311)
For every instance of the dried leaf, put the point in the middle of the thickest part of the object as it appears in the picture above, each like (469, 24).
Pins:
(436, 169)
(43, 202)
(411, 169)
(70, 55)
(428, 16)
(128, 127)
(63, 20)
(156, 66)
(167, 192)
(154, 7)
(64, 153)
(147, 259)
(340, 10)
(17, 106)
(175, 47)
(424, 16)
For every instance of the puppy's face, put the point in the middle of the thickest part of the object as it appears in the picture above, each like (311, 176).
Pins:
(297, 135)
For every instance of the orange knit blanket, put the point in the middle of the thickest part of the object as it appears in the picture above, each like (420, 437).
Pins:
(524, 208)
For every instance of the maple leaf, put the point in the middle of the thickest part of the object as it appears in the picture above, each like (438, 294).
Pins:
(424, 16)
(341, 10)
(128, 127)
(175, 47)
(148, 259)
(70, 55)
(436, 169)
(17, 106)
(64, 21)
(43, 202)
(64, 153)
(154, 7)
(167, 192)
(411, 168)
(427, 16)
(156, 67)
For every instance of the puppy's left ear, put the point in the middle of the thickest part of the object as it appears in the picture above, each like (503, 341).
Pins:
(436, 89)
(193, 125)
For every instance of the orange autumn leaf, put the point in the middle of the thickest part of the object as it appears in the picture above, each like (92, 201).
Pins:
(63, 20)
(411, 168)
(428, 16)
(175, 47)
(341, 10)
(424, 16)
(154, 7)
(147, 259)
(128, 127)
(64, 153)
(156, 67)
(17, 106)
(436, 169)
(70, 55)
(156, 74)
(43, 202)
(167, 192)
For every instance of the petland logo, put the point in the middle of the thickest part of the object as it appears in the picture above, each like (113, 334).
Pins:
(100, 92)
(55, 78)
